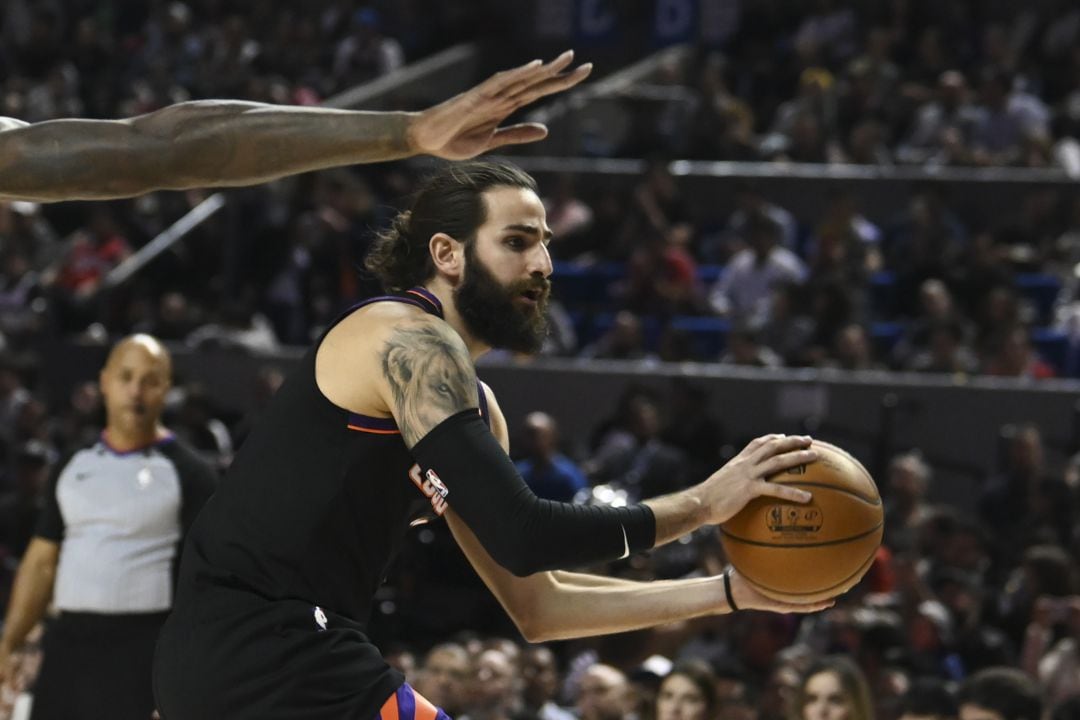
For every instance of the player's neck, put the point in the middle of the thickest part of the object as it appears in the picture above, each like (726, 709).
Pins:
(445, 293)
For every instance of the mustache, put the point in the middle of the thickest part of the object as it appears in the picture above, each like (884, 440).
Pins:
(542, 285)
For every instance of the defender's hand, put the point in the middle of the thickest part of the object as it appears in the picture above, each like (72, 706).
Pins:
(744, 477)
(468, 124)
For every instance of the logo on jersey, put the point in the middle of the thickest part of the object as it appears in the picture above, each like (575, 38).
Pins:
(320, 618)
(432, 486)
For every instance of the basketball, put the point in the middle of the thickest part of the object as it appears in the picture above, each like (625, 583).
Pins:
(805, 553)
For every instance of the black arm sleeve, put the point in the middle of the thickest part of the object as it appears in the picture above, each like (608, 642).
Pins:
(523, 533)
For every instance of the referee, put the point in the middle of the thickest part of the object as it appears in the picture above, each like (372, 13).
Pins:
(105, 549)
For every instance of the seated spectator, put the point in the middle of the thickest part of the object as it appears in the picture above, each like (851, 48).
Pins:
(624, 341)
(548, 472)
(999, 693)
(946, 352)
(787, 331)
(662, 275)
(688, 692)
(444, 677)
(366, 53)
(905, 484)
(1008, 117)
(1012, 355)
(935, 308)
(540, 675)
(604, 694)
(569, 218)
(951, 112)
(845, 247)
(851, 350)
(744, 291)
(744, 347)
(1056, 665)
(834, 687)
(495, 693)
(749, 204)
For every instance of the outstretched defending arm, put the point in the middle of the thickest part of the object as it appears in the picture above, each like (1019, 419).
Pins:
(430, 387)
(222, 143)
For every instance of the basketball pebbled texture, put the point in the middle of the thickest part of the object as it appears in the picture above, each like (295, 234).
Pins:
(805, 553)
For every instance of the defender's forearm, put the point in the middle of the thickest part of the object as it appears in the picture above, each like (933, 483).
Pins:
(206, 143)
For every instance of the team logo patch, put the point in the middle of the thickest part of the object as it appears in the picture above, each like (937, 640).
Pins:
(432, 486)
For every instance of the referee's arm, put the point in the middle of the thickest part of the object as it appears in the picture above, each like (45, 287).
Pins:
(29, 597)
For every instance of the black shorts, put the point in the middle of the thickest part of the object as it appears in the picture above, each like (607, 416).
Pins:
(234, 655)
(96, 666)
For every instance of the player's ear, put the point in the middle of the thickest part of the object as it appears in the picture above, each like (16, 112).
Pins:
(448, 255)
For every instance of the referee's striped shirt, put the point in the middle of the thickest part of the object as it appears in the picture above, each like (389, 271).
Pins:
(119, 518)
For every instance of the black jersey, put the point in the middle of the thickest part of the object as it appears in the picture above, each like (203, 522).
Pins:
(317, 500)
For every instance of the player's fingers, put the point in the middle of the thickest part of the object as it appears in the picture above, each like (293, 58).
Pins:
(778, 463)
(556, 84)
(517, 134)
(803, 607)
(780, 444)
(757, 442)
(501, 81)
(542, 73)
(780, 492)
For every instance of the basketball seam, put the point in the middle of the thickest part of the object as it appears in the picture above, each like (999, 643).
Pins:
(865, 566)
(823, 543)
(875, 502)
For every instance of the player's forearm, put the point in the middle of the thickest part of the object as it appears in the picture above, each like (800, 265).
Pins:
(195, 144)
(678, 514)
(579, 605)
(30, 598)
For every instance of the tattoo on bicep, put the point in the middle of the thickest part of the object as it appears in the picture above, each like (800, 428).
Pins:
(431, 377)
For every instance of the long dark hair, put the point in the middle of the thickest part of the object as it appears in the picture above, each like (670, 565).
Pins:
(851, 679)
(449, 201)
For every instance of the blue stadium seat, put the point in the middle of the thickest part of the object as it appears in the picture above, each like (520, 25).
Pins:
(578, 286)
(708, 335)
(709, 274)
(1041, 290)
(883, 301)
(884, 336)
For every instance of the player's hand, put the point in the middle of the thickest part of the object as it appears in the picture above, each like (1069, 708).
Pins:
(747, 598)
(744, 477)
(468, 124)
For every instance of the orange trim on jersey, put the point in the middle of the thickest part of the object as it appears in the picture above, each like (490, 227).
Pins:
(373, 431)
(424, 709)
(389, 710)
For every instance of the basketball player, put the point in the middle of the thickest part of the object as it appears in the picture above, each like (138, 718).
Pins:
(226, 143)
(384, 422)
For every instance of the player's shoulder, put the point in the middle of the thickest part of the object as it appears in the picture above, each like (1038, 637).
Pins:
(399, 324)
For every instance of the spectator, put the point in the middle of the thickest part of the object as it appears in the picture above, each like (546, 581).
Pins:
(744, 347)
(366, 53)
(495, 691)
(851, 349)
(906, 484)
(105, 549)
(834, 688)
(999, 693)
(604, 694)
(1055, 665)
(744, 290)
(444, 676)
(662, 275)
(947, 121)
(688, 692)
(1008, 118)
(549, 473)
(539, 673)
(624, 341)
(1013, 356)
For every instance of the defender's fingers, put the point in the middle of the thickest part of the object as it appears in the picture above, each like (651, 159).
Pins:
(544, 72)
(803, 607)
(554, 85)
(501, 81)
(517, 134)
(780, 492)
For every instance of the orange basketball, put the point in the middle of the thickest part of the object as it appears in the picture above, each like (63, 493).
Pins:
(805, 553)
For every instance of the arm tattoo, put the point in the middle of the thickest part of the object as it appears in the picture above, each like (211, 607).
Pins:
(431, 377)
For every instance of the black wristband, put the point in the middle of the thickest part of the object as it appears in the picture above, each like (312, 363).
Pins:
(727, 590)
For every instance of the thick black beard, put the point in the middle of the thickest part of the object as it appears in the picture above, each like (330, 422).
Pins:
(490, 314)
